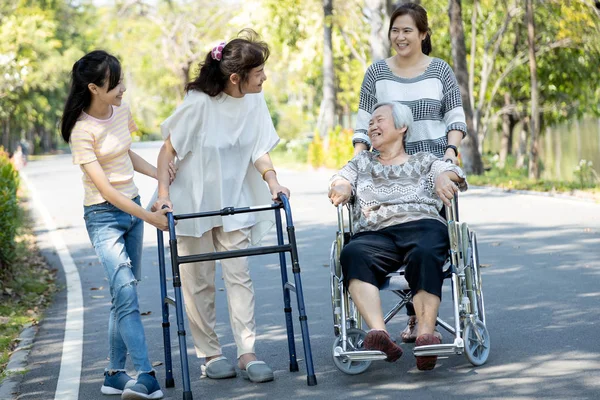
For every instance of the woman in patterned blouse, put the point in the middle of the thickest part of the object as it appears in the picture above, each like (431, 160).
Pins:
(397, 202)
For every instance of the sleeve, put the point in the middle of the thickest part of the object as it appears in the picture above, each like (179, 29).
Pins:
(82, 146)
(433, 167)
(266, 137)
(132, 125)
(452, 108)
(368, 98)
(349, 172)
(183, 126)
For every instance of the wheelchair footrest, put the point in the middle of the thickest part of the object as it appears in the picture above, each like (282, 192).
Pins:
(440, 349)
(359, 355)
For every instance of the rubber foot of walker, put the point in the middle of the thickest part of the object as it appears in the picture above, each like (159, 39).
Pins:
(311, 380)
(294, 367)
(169, 382)
(187, 396)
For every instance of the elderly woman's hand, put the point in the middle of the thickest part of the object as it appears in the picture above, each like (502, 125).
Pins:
(340, 192)
(445, 188)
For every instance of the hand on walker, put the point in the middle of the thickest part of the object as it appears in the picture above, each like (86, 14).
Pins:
(339, 193)
(159, 219)
(160, 202)
(445, 188)
(276, 189)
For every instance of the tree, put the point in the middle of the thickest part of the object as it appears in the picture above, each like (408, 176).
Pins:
(328, 103)
(470, 149)
(534, 172)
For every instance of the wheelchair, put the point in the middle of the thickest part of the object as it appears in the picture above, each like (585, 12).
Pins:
(471, 336)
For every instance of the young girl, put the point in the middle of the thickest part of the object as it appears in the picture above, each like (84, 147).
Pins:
(98, 127)
(222, 134)
(427, 86)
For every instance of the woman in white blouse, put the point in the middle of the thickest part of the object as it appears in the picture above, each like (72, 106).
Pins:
(222, 134)
(396, 212)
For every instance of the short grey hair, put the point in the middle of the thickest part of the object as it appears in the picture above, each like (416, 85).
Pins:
(402, 115)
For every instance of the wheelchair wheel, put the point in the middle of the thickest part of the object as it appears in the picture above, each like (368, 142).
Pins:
(477, 342)
(336, 296)
(355, 338)
(477, 277)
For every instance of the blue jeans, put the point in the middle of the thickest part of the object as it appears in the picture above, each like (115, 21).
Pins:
(117, 238)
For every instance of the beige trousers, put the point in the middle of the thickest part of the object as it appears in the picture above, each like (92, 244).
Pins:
(198, 286)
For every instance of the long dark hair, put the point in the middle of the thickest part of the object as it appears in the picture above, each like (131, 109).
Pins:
(95, 67)
(419, 15)
(239, 56)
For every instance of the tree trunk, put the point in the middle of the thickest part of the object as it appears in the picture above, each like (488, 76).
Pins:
(534, 172)
(506, 140)
(377, 14)
(471, 156)
(522, 149)
(327, 113)
(557, 155)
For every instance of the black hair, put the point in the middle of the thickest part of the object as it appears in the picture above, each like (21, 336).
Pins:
(95, 67)
(419, 15)
(239, 56)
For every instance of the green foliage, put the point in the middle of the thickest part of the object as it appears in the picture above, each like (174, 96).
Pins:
(585, 174)
(9, 210)
(339, 149)
(316, 151)
(510, 177)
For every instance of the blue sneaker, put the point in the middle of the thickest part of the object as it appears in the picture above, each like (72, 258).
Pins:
(116, 383)
(146, 387)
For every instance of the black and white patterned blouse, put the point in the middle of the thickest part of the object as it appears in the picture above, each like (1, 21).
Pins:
(433, 97)
(387, 195)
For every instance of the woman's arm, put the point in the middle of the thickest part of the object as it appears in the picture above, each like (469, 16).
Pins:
(114, 197)
(264, 165)
(165, 158)
(454, 139)
(142, 166)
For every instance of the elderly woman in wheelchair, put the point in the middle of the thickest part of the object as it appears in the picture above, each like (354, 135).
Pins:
(395, 207)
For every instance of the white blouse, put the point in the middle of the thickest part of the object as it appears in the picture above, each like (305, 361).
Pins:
(217, 140)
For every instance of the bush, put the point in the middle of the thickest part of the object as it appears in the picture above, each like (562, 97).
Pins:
(9, 210)
(316, 152)
(340, 149)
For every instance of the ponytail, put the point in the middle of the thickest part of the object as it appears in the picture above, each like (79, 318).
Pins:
(95, 67)
(239, 56)
(210, 80)
(426, 46)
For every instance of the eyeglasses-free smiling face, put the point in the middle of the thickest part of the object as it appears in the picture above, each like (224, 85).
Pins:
(382, 131)
(405, 36)
(256, 77)
(112, 97)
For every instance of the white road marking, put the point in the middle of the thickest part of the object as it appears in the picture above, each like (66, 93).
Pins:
(72, 352)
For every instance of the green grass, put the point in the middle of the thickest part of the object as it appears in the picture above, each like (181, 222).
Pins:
(24, 297)
(512, 178)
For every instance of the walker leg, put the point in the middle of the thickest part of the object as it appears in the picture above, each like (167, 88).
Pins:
(286, 297)
(310, 372)
(187, 393)
(169, 381)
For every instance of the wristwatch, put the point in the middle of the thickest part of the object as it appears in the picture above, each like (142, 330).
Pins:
(451, 146)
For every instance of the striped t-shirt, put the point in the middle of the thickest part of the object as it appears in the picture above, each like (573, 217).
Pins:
(107, 141)
(433, 97)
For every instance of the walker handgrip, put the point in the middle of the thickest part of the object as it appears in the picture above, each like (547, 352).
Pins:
(286, 207)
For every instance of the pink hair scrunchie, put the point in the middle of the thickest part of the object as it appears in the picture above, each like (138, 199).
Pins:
(217, 51)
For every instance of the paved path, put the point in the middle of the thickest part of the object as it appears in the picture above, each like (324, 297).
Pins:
(542, 291)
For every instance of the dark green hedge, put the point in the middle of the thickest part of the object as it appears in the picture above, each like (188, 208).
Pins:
(9, 214)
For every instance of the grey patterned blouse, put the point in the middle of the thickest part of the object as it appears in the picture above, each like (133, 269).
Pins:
(389, 195)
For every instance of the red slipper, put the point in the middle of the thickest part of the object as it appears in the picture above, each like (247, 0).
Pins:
(380, 340)
(426, 363)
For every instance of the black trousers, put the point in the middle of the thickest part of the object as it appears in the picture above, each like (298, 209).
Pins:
(422, 245)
